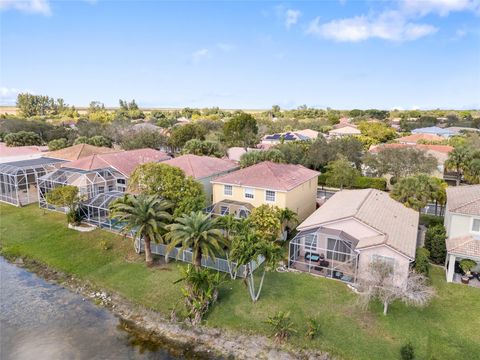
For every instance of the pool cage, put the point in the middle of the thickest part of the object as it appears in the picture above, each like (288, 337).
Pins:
(96, 210)
(325, 252)
(90, 183)
(18, 179)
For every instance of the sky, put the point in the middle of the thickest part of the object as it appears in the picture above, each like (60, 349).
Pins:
(342, 54)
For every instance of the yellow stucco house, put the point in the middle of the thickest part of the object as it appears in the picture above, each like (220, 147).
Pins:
(284, 185)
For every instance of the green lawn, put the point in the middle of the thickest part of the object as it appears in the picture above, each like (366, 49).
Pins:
(448, 329)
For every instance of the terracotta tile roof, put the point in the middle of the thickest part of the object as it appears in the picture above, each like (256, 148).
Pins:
(397, 223)
(345, 130)
(123, 161)
(445, 149)
(235, 153)
(417, 137)
(79, 151)
(269, 175)
(464, 199)
(464, 245)
(6, 151)
(200, 167)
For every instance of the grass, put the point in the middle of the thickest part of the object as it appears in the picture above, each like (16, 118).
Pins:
(447, 329)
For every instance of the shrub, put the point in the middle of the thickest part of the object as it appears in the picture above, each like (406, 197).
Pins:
(57, 144)
(435, 243)
(407, 352)
(421, 261)
(22, 138)
(364, 182)
(281, 325)
(430, 220)
(105, 245)
(466, 265)
(313, 329)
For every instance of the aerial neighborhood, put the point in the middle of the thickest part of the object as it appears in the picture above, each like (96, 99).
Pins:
(361, 198)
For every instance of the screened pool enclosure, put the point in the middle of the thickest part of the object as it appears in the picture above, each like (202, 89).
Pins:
(18, 179)
(90, 183)
(325, 252)
(96, 210)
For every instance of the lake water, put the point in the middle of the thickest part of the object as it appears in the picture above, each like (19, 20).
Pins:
(41, 321)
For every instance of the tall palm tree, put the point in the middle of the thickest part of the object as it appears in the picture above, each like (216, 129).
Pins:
(416, 191)
(458, 160)
(145, 216)
(288, 219)
(198, 232)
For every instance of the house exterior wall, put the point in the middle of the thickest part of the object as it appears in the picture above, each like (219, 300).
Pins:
(401, 267)
(301, 199)
(457, 224)
(207, 185)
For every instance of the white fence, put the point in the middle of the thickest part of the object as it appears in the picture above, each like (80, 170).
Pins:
(219, 264)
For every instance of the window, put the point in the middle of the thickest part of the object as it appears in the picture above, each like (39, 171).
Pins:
(385, 259)
(249, 193)
(270, 195)
(110, 187)
(227, 190)
(311, 241)
(121, 181)
(476, 225)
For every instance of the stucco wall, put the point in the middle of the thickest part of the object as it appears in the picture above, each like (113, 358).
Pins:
(457, 225)
(401, 267)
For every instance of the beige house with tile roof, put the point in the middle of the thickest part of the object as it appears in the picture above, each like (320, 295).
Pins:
(462, 224)
(283, 185)
(79, 151)
(352, 228)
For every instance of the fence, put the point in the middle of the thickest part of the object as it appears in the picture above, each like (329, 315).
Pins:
(219, 264)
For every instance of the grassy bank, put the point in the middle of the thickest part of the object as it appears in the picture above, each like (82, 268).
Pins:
(447, 329)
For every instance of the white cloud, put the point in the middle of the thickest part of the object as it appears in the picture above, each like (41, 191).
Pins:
(389, 25)
(291, 17)
(28, 6)
(440, 7)
(200, 54)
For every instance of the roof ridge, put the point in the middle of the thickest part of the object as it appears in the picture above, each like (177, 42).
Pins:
(466, 203)
(468, 239)
(82, 146)
(363, 201)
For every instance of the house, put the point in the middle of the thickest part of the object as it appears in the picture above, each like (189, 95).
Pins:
(204, 169)
(459, 130)
(79, 151)
(17, 153)
(352, 228)
(284, 185)
(97, 174)
(299, 135)
(462, 225)
(433, 130)
(236, 152)
(416, 138)
(347, 130)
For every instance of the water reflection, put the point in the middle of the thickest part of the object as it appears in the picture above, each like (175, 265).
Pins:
(44, 321)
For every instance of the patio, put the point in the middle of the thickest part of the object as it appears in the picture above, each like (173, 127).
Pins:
(474, 282)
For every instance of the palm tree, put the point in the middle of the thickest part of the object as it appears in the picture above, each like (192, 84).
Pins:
(145, 216)
(458, 160)
(416, 191)
(288, 219)
(198, 232)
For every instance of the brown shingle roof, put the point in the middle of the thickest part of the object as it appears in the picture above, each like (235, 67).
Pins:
(79, 151)
(123, 161)
(269, 175)
(464, 245)
(464, 199)
(376, 209)
(200, 167)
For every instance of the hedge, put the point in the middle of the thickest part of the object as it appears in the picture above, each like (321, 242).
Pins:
(361, 182)
(430, 220)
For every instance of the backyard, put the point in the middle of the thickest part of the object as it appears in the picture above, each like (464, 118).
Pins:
(446, 329)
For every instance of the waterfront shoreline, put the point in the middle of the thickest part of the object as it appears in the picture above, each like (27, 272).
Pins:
(177, 337)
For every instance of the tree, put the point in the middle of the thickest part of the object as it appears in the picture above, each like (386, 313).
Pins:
(66, 196)
(254, 157)
(322, 152)
(22, 138)
(378, 283)
(435, 243)
(417, 191)
(185, 193)
(422, 265)
(247, 247)
(199, 147)
(294, 152)
(341, 173)
(458, 161)
(265, 221)
(288, 219)
(143, 139)
(97, 140)
(57, 144)
(179, 135)
(196, 231)
(241, 130)
(377, 131)
(144, 216)
(400, 162)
